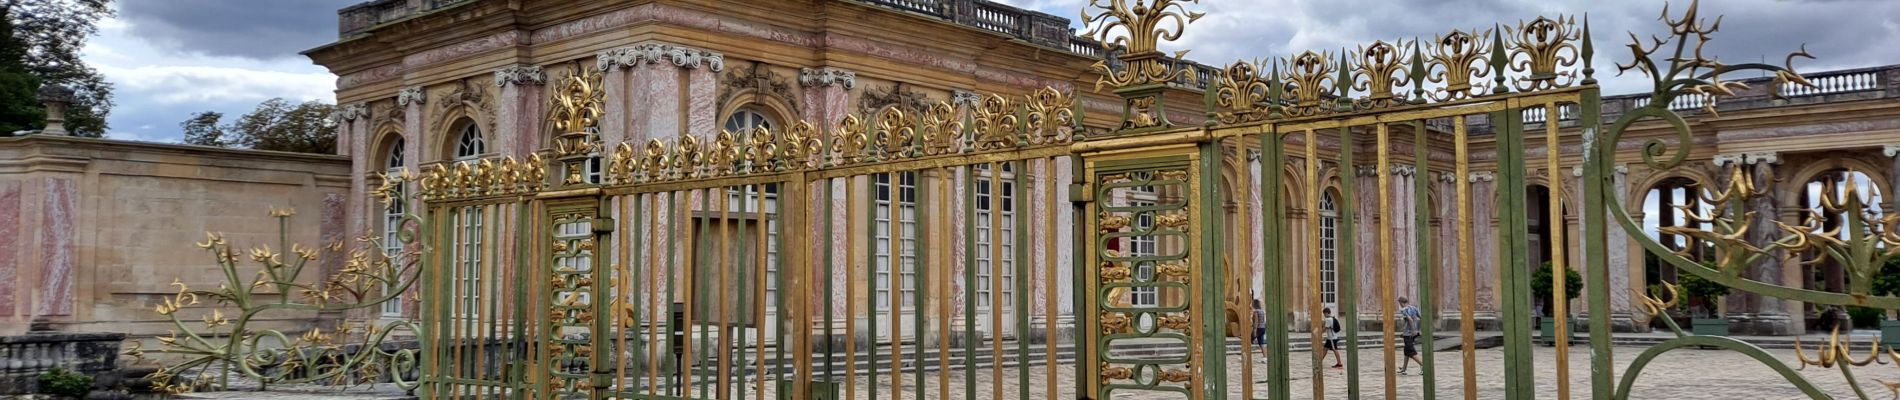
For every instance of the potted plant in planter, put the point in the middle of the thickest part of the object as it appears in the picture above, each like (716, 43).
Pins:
(1705, 321)
(1541, 290)
(1887, 283)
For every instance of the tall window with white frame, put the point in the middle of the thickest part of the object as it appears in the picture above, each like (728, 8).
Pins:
(985, 266)
(1328, 250)
(761, 199)
(1143, 246)
(392, 225)
(468, 260)
(469, 143)
(906, 192)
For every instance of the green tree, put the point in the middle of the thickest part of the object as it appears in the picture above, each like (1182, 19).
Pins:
(50, 34)
(19, 103)
(203, 129)
(276, 124)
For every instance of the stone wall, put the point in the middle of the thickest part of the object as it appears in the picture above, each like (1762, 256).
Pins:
(93, 232)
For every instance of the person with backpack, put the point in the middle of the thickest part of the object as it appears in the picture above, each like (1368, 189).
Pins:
(1260, 330)
(1332, 337)
(1408, 321)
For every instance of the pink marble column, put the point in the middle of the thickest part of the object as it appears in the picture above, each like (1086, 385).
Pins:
(1366, 240)
(656, 103)
(411, 99)
(57, 246)
(520, 115)
(353, 139)
(1484, 234)
(702, 110)
(1405, 229)
(613, 126)
(11, 245)
(1445, 242)
(1065, 236)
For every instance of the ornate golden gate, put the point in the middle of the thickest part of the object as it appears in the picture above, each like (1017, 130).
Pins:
(920, 253)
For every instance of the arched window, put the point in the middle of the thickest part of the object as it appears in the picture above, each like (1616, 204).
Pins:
(1328, 250)
(747, 119)
(469, 143)
(392, 219)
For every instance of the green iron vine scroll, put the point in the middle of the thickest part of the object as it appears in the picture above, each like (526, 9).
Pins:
(205, 353)
(1861, 242)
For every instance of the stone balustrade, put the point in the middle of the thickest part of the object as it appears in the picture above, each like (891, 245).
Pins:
(23, 358)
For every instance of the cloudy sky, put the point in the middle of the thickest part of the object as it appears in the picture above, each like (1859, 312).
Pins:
(170, 58)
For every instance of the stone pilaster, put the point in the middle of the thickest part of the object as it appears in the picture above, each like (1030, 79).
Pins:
(1616, 258)
(411, 99)
(1405, 231)
(353, 137)
(1892, 151)
(1484, 236)
(826, 91)
(1750, 313)
(1366, 241)
(653, 88)
(1445, 243)
(520, 115)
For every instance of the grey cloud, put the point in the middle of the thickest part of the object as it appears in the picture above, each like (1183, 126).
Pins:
(257, 29)
(1843, 33)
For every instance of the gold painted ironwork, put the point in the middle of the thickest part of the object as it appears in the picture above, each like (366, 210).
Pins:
(1139, 28)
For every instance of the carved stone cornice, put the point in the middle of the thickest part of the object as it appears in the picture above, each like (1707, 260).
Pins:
(827, 76)
(1723, 160)
(653, 53)
(1404, 170)
(1483, 176)
(520, 75)
(1366, 170)
(1447, 177)
(1621, 169)
(1892, 150)
(410, 95)
(352, 111)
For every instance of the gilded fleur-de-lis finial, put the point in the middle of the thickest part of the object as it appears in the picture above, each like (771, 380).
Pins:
(1138, 28)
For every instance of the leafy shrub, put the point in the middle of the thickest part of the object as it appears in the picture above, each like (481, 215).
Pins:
(1700, 290)
(1865, 317)
(1541, 286)
(60, 382)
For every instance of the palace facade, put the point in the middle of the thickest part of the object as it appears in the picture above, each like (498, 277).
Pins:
(425, 83)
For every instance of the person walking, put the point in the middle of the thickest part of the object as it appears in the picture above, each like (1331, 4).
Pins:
(1332, 338)
(1260, 330)
(1409, 320)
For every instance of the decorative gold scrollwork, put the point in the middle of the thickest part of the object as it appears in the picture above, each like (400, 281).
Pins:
(1110, 372)
(1050, 113)
(1311, 77)
(1113, 222)
(1114, 322)
(1176, 221)
(1457, 62)
(1113, 272)
(799, 144)
(849, 141)
(1179, 322)
(893, 134)
(1176, 376)
(1542, 45)
(1380, 71)
(995, 124)
(1242, 95)
(1139, 29)
(1176, 271)
(942, 131)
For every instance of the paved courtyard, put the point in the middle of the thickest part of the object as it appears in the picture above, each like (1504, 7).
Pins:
(1681, 374)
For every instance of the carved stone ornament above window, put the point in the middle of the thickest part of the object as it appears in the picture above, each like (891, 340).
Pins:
(681, 56)
(761, 79)
(520, 75)
(827, 76)
(897, 95)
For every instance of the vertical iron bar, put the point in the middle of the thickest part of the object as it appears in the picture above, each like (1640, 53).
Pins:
(996, 279)
(1049, 273)
(1272, 239)
(969, 283)
(1597, 193)
(831, 262)
(674, 238)
(1427, 268)
(1021, 262)
(920, 254)
(1386, 270)
(1519, 380)
(1560, 310)
(1349, 259)
(1467, 267)
(850, 296)
(1315, 276)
